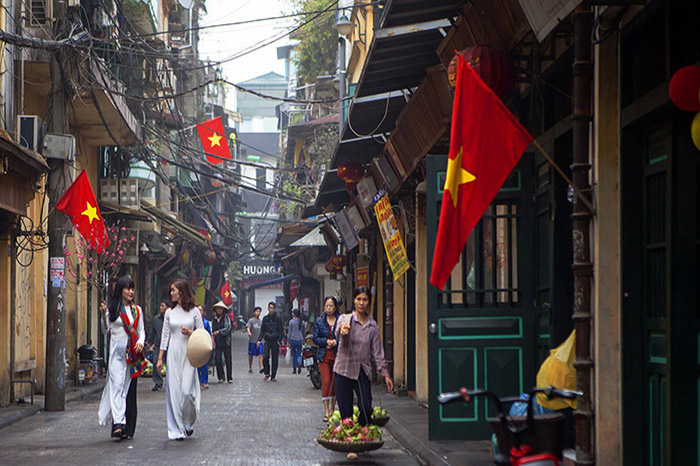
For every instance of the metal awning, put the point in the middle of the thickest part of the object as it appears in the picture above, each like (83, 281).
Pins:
(110, 208)
(187, 231)
(311, 239)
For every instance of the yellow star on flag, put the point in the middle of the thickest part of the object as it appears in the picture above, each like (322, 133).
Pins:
(215, 140)
(226, 293)
(90, 212)
(456, 176)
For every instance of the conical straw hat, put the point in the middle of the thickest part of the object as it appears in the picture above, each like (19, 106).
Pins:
(199, 347)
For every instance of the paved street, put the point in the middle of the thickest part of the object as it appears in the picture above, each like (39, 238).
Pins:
(249, 422)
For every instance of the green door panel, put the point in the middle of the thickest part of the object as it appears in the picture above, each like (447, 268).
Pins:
(483, 321)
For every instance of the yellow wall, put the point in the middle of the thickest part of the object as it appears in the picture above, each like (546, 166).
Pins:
(29, 302)
(358, 53)
(400, 330)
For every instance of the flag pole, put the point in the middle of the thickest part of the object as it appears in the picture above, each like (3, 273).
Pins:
(578, 192)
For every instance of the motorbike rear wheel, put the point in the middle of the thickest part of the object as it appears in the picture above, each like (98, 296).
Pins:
(315, 378)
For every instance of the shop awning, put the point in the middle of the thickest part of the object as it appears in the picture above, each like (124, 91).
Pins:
(311, 239)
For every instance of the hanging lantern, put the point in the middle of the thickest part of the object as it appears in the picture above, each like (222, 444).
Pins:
(494, 67)
(351, 173)
(695, 130)
(333, 270)
(684, 88)
(338, 261)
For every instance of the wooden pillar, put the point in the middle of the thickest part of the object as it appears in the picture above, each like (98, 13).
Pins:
(607, 256)
(421, 299)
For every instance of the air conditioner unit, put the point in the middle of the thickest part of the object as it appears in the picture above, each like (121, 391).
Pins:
(59, 146)
(30, 128)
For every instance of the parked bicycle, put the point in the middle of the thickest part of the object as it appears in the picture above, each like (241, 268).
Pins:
(520, 452)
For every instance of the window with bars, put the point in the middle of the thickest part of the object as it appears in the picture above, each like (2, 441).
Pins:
(40, 12)
(487, 274)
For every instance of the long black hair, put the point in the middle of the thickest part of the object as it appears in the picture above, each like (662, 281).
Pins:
(115, 302)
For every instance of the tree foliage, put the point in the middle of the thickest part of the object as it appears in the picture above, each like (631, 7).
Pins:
(316, 52)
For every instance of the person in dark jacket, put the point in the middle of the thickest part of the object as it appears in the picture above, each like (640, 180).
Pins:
(221, 329)
(271, 333)
(154, 339)
(324, 338)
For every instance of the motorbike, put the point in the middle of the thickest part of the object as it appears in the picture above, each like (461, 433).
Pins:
(87, 368)
(308, 355)
(241, 324)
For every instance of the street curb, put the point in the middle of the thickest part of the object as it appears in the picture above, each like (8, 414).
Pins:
(17, 416)
(78, 395)
(413, 444)
(73, 396)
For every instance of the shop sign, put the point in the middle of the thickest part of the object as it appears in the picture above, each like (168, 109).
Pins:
(362, 276)
(261, 270)
(393, 244)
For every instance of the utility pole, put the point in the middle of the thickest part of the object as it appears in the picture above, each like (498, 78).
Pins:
(55, 399)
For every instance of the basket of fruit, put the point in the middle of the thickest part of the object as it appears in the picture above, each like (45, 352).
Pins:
(379, 416)
(349, 436)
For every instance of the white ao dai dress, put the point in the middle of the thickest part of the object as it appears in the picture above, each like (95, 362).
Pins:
(182, 392)
(113, 404)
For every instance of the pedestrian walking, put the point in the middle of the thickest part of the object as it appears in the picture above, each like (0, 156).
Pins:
(124, 322)
(204, 370)
(295, 335)
(182, 392)
(254, 348)
(153, 340)
(221, 326)
(271, 332)
(324, 338)
(358, 346)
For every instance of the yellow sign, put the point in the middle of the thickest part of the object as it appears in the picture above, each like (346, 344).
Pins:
(393, 244)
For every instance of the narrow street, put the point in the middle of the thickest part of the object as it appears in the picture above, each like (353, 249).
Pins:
(250, 422)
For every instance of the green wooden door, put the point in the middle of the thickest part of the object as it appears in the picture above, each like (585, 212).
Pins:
(661, 278)
(481, 326)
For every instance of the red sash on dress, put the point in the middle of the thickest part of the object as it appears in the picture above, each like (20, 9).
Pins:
(135, 360)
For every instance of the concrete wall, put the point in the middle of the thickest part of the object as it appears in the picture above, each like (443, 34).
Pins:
(607, 257)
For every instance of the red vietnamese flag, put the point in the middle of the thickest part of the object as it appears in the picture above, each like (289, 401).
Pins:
(79, 203)
(485, 144)
(213, 138)
(226, 294)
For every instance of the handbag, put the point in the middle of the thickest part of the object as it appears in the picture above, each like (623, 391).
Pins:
(288, 357)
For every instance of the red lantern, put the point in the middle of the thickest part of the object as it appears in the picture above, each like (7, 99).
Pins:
(494, 66)
(333, 269)
(338, 261)
(684, 88)
(351, 173)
